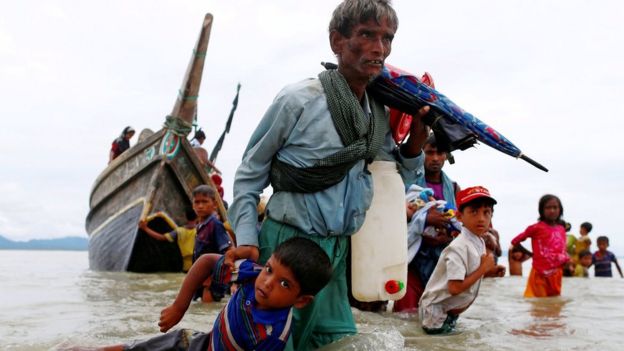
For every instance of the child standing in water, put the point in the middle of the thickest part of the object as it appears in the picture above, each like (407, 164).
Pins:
(548, 240)
(602, 259)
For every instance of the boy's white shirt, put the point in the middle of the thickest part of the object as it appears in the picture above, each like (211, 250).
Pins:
(459, 259)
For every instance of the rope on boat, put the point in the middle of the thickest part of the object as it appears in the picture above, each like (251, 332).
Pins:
(178, 126)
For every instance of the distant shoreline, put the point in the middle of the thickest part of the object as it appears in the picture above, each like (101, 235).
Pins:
(70, 243)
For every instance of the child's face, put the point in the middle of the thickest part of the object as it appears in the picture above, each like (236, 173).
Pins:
(603, 245)
(517, 255)
(586, 261)
(552, 210)
(276, 287)
(203, 205)
(477, 220)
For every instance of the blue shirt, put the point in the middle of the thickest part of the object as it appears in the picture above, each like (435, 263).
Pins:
(211, 237)
(602, 264)
(299, 129)
(242, 326)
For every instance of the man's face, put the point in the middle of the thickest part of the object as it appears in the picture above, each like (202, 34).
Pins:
(434, 159)
(361, 55)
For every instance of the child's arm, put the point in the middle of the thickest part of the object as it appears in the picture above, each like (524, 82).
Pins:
(149, 231)
(617, 265)
(456, 287)
(241, 252)
(199, 272)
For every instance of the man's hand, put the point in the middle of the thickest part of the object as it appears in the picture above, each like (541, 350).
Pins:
(418, 134)
(437, 218)
(170, 316)
(244, 251)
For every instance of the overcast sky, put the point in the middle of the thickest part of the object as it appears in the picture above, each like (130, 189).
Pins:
(548, 75)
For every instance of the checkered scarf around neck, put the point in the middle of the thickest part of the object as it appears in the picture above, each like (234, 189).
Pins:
(363, 137)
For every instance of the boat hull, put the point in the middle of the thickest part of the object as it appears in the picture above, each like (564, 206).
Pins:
(156, 176)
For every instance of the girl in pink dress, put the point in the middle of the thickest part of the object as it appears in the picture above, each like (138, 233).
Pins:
(548, 240)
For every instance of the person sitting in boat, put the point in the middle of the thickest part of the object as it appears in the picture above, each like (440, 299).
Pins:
(198, 138)
(259, 314)
(121, 144)
(184, 236)
(211, 237)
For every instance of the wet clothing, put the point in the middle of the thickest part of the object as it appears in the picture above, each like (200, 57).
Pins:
(581, 244)
(602, 263)
(447, 327)
(328, 317)
(185, 238)
(461, 258)
(239, 325)
(580, 271)
(298, 129)
(549, 246)
(422, 256)
(541, 285)
(211, 237)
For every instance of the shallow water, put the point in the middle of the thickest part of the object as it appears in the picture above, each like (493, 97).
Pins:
(54, 301)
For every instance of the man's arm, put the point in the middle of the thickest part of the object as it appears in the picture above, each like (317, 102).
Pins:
(199, 272)
(252, 176)
(418, 135)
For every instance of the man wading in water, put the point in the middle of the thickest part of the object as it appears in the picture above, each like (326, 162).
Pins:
(312, 146)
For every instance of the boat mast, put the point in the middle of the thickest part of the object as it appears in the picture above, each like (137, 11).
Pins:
(181, 117)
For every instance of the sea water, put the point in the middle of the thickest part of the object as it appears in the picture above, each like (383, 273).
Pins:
(51, 300)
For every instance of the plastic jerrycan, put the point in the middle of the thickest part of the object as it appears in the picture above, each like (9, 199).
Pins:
(379, 248)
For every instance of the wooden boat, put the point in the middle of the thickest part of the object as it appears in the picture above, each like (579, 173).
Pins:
(154, 180)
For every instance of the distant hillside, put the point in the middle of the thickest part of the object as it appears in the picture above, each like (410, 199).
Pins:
(67, 243)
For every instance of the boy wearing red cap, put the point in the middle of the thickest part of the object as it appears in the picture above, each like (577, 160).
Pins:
(457, 276)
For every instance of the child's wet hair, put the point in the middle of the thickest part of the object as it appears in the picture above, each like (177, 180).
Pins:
(602, 238)
(542, 204)
(478, 203)
(587, 226)
(206, 190)
(190, 214)
(307, 261)
(585, 253)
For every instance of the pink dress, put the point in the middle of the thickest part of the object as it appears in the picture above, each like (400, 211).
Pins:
(549, 246)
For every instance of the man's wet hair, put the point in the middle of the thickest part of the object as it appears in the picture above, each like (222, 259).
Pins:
(206, 190)
(586, 252)
(478, 203)
(350, 13)
(602, 239)
(587, 226)
(307, 261)
(431, 141)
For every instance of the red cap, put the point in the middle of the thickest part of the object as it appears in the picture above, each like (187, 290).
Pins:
(472, 193)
